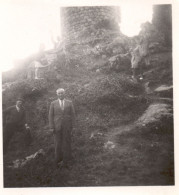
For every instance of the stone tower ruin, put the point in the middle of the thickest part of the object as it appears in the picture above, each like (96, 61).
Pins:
(162, 19)
(76, 19)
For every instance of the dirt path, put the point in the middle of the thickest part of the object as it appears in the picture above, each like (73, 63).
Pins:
(111, 136)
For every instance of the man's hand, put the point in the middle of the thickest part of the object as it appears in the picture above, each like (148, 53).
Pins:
(27, 126)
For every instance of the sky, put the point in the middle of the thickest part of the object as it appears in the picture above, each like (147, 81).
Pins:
(25, 26)
(133, 16)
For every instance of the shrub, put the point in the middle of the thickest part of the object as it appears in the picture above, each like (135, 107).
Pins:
(109, 89)
(27, 89)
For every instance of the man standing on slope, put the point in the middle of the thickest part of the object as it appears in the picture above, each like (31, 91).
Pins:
(15, 121)
(61, 120)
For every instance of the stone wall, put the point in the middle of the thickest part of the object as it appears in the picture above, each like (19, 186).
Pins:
(76, 19)
(162, 19)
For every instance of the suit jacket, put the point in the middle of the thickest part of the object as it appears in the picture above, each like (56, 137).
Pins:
(59, 117)
(12, 116)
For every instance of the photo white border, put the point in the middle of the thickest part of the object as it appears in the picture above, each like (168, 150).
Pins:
(138, 190)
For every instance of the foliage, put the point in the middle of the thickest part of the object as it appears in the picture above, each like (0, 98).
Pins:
(109, 89)
(27, 89)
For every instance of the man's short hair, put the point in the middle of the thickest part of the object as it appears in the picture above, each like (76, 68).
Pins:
(60, 89)
(20, 99)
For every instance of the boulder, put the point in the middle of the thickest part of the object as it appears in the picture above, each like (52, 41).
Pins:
(164, 91)
(109, 145)
(22, 162)
(164, 88)
(155, 113)
(120, 62)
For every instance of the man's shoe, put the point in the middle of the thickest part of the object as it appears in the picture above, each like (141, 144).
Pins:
(64, 165)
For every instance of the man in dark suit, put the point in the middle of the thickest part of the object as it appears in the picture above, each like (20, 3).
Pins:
(61, 120)
(15, 120)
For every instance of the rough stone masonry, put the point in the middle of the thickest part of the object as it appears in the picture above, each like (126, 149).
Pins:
(76, 19)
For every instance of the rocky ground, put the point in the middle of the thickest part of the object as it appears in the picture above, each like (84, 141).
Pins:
(124, 131)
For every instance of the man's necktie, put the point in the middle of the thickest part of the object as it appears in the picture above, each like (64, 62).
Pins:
(62, 105)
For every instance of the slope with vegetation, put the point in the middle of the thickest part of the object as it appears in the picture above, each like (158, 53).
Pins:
(124, 130)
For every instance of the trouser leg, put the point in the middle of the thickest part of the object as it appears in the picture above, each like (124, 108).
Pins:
(141, 70)
(58, 146)
(66, 145)
(27, 137)
(147, 61)
(134, 72)
(36, 73)
(7, 135)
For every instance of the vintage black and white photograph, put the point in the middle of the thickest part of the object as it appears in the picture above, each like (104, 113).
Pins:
(87, 95)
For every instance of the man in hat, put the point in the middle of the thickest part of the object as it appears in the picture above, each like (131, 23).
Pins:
(14, 121)
(61, 120)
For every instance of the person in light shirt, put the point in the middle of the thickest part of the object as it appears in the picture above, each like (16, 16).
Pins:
(135, 62)
(34, 70)
(139, 53)
(61, 121)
